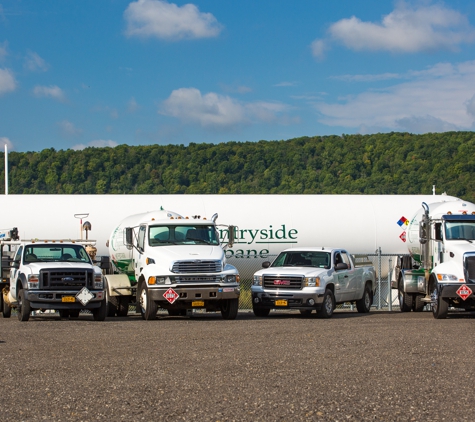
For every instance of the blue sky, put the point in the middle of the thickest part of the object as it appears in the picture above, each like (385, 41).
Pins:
(79, 73)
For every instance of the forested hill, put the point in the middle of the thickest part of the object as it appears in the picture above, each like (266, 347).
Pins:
(393, 163)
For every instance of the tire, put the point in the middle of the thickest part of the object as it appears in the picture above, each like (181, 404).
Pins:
(229, 308)
(440, 307)
(405, 299)
(260, 312)
(328, 305)
(363, 305)
(306, 312)
(148, 308)
(123, 306)
(64, 313)
(6, 310)
(24, 308)
(99, 314)
(418, 303)
(74, 313)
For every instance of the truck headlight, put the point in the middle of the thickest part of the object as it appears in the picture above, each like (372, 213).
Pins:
(311, 281)
(33, 281)
(157, 280)
(234, 278)
(98, 282)
(257, 280)
(446, 277)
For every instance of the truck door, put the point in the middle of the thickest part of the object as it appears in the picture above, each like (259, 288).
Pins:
(341, 279)
(14, 272)
(353, 282)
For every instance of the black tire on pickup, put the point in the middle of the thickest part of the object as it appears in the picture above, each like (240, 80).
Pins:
(363, 305)
(99, 314)
(6, 310)
(405, 299)
(260, 312)
(24, 308)
(328, 305)
(148, 308)
(229, 308)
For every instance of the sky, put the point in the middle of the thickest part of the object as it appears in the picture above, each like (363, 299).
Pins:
(98, 73)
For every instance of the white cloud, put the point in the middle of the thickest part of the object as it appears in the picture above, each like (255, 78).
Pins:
(5, 141)
(215, 110)
(34, 63)
(158, 18)
(132, 106)
(407, 29)
(68, 129)
(7, 81)
(100, 143)
(52, 91)
(439, 98)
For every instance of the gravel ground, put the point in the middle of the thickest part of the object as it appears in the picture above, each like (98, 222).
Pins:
(380, 366)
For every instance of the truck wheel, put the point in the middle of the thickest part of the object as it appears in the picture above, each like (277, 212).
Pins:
(405, 299)
(99, 314)
(6, 310)
(440, 307)
(328, 305)
(148, 308)
(418, 303)
(364, 304)
(123, 306)
(24, 308)
(74, 313)
(260, 312)
(229, 308)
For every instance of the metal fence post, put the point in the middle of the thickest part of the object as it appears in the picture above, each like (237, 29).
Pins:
(390, 276)
(379, 278)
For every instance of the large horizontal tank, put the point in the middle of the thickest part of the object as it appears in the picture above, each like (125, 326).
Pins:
(266, 224)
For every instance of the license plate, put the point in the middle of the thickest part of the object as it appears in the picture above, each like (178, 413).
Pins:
(68, 299)
(197, 303)
(281, 302)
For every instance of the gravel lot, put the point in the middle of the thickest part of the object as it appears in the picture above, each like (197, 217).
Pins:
(379, 366)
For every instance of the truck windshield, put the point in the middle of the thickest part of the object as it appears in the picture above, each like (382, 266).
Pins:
(183, 235)
(63, 253)
(460, 230)
(303, 259)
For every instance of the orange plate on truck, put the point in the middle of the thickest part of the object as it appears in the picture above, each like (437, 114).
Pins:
(197, 303)
(68, 299)
(281, 302)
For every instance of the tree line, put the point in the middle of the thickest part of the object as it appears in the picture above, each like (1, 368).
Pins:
(383, 163)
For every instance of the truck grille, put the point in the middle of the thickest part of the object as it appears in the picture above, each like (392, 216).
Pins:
(470, 268)
(196, 267)
(282, 282)
(66, 280)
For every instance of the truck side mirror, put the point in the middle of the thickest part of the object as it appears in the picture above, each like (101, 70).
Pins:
(231, 237)
(341, 266)
(15, 264)
(129, 236)
(422, 233)
(438, 232)
(266, 264)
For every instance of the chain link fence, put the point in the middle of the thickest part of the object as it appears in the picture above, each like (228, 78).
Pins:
(385, 298)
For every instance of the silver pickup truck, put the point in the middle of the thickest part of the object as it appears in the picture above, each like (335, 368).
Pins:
(312, 279)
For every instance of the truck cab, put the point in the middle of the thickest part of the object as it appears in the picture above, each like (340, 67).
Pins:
(441, 271)
(57, 275)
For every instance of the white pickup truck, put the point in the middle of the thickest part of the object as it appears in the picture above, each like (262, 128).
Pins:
(312, 279)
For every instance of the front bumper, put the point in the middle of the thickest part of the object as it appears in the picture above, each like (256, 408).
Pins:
(449, 291)
(189, 294)
(310, 298)
(53, 299)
